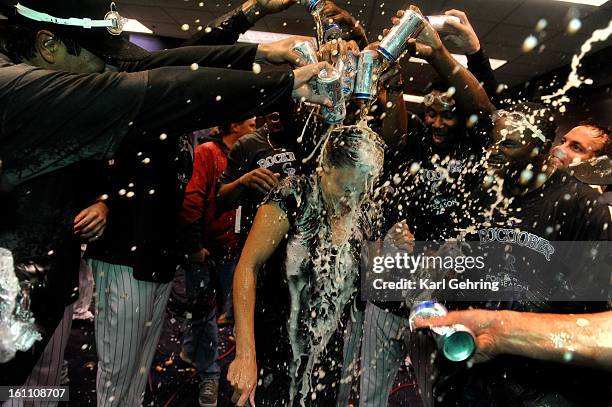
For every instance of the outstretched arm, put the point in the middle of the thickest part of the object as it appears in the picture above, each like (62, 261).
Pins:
(269, 228)
(581, 339)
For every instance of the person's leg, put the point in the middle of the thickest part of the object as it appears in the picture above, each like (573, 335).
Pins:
(155, 311)
(122, 318)
(382, 352)
(48, 369)
(225, 270)
(351, 355)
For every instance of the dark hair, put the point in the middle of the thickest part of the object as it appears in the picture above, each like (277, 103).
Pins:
(224, 129)
(602, 131)
(18, 41)
(543, 117)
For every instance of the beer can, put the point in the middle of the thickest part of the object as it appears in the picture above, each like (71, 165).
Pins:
(329, 84)
(394, 43)
(307, 50)
(312, 4)
(332, 31)
(349, 71)
(366, 78)
(437, 22)
(456, 342)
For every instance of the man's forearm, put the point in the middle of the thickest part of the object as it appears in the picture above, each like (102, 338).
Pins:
(583, 339)
(469, 94)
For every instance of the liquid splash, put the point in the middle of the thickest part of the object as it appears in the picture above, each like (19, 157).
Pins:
(574, 80)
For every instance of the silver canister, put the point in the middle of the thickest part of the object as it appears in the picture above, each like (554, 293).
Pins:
(307, 50)
(456, 342)
(349, 71)
(394, 43)
(331, 31)
(366, 78)
(312, 5)
(329, 84)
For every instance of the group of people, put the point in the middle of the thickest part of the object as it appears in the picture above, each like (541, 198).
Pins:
(267, 225)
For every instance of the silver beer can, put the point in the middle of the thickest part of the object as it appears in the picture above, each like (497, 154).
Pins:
(332, 31)
(329, 83)
(366, 78)
(394, 43)
(349, 71)
(307, 50)
(456, 342)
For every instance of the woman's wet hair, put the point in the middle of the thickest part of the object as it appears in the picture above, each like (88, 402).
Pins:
(354, 146)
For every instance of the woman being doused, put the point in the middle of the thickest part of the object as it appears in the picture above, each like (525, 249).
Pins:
(324, 218)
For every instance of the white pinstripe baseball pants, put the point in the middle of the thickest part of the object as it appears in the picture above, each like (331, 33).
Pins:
(48, 369)
(129, 318)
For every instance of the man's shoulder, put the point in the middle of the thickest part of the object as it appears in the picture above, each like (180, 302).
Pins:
(250, 138)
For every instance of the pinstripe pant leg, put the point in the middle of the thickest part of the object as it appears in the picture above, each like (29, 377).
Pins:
(120, 329)
(422, 353)
(351, 354)
(48, 369)
(382, 352)
(153, 327)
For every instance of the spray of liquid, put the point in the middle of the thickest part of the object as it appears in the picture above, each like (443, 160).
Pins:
(320, 292)
(17, 328)
(574, 80)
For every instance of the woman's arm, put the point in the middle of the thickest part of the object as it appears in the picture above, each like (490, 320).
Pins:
(269, 228)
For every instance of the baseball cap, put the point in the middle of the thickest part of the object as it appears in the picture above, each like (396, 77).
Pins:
(95, 24)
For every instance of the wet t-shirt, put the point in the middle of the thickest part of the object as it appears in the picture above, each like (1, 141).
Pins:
(322, 277)
(562, 210)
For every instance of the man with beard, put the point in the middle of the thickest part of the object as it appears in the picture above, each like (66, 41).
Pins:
(535, 348)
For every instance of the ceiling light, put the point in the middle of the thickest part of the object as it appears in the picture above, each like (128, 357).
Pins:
(136, 26)
(595, 3)
(462, 59)
(413, 98)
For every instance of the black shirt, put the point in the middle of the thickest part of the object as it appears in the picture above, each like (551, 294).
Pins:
(428, 186)
(254, 151)
(563, 209)
(54, 119)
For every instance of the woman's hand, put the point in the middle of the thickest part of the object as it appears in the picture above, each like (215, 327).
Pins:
(242, 375)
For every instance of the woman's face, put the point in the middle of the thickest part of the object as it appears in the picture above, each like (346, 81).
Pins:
(343, 188)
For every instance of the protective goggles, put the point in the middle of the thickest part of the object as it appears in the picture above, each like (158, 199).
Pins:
(518, 121)
(446, 101)
(113, 22)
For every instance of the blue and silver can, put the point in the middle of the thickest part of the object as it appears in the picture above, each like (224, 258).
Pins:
(349, 71)
(394, 43)
(312, 5)
(331, 31)
(366, 78)
(456, 342)
(307, 50)
(329, 83)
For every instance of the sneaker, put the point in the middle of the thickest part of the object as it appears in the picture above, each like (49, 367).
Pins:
(209, 390)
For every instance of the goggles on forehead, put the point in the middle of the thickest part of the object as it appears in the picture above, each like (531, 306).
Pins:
(113, 22)
(518, 121)
(446, 101)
